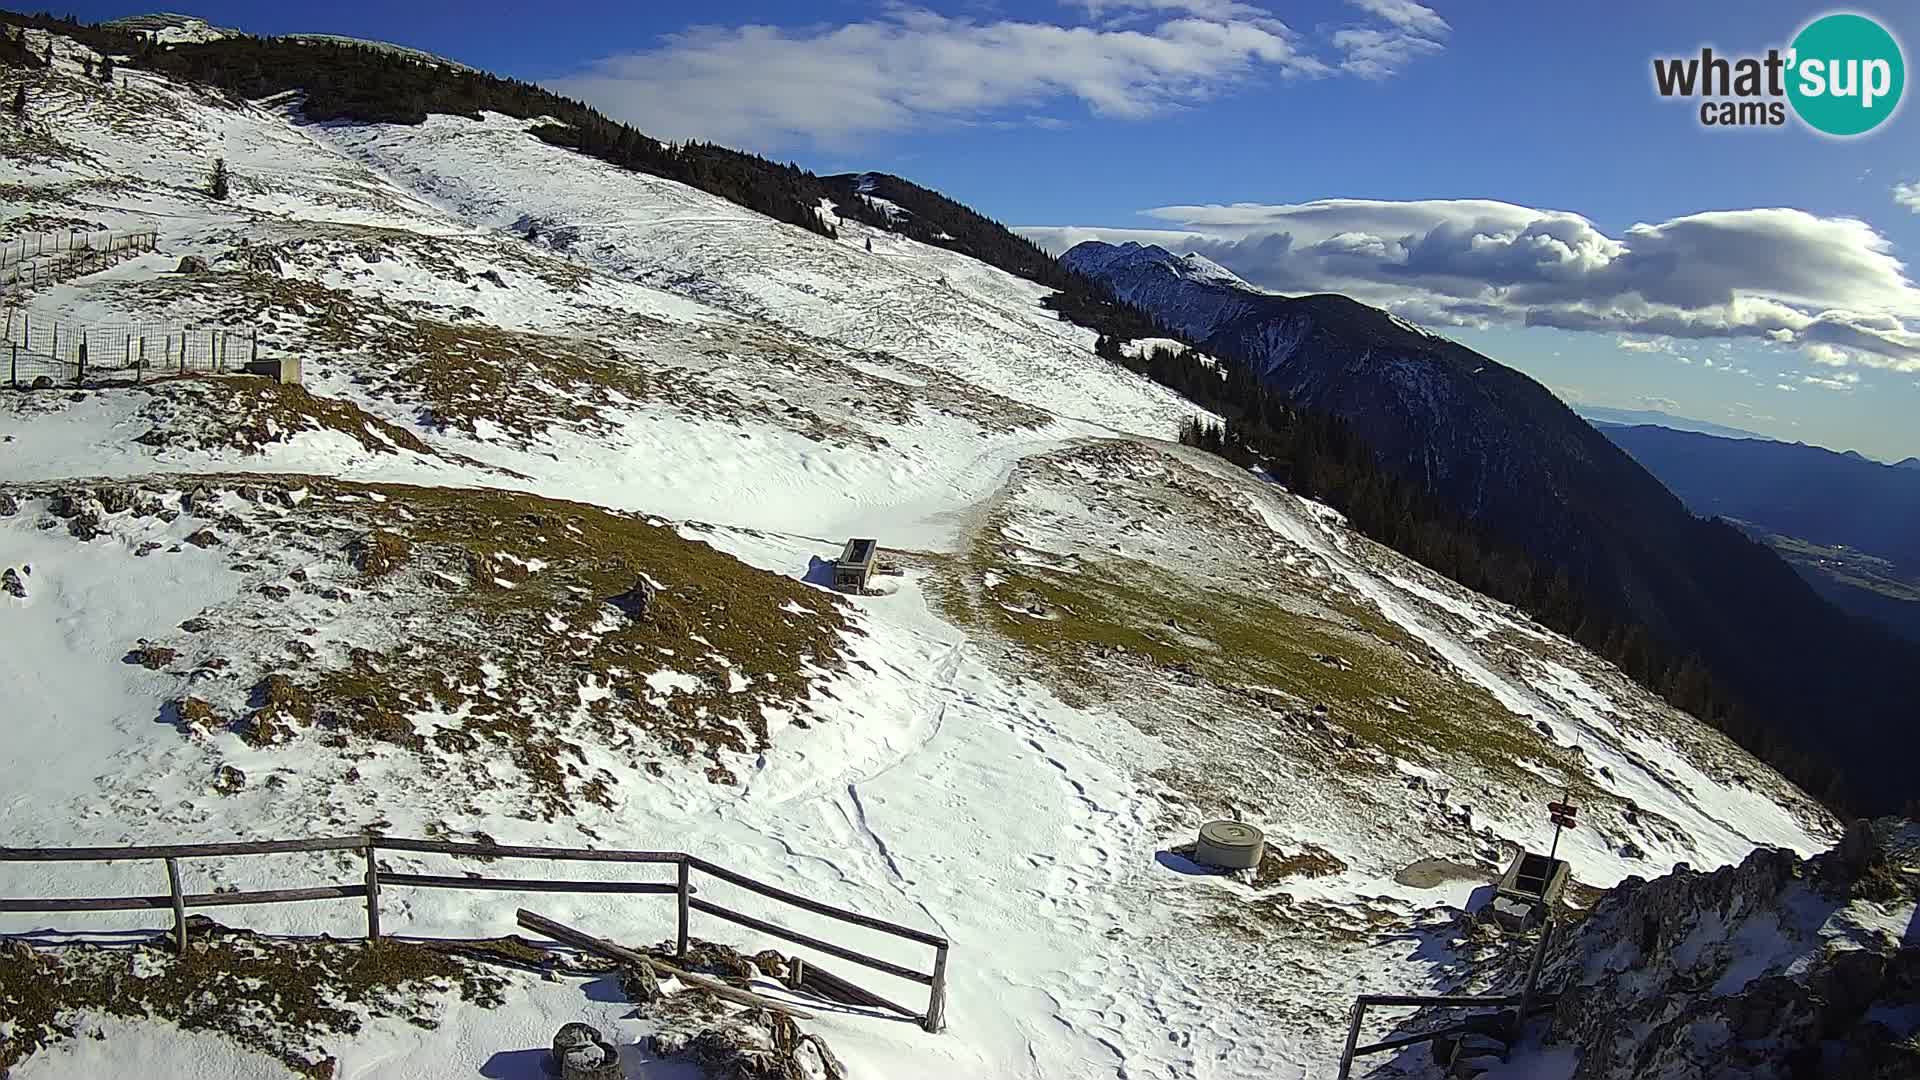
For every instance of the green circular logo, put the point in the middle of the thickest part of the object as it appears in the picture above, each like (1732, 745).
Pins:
(1846, 74)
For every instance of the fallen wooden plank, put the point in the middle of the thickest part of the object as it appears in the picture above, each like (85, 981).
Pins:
(828, 985)
(811, 942)
(560, 932)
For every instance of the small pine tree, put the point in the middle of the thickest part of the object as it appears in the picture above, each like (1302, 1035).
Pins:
(217, 187)
(106, 69)
(86, 65)
(19, 106)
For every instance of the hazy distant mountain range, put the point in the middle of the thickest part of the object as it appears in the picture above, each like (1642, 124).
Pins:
(1602, 414)
(1851, 525)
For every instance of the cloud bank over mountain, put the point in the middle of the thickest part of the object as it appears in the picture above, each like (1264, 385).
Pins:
(1831, 285)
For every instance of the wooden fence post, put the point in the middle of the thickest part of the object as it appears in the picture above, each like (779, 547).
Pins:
(373, 892)
(1533, 982)
(80, 372)
(13, 370)
(936, 1020)
(681, 950)
(140, 366)
(1354, 1019)
(179, 906)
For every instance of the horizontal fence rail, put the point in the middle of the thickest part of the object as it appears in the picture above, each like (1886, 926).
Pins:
(372, 880)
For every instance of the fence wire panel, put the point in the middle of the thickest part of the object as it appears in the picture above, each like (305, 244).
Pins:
(59, 350)
(50, 257)
(21, 249)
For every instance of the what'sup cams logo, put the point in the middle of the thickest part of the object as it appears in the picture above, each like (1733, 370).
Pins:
(1842, 76)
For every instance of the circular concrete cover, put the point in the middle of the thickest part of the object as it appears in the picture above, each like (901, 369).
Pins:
(1229, 834)
(1232, 845)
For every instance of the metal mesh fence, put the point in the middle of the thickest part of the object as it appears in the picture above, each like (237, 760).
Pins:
(68, 352)
(40, 245)
(30, 260)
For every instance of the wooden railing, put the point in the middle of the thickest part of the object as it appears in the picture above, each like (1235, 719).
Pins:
(374, 879)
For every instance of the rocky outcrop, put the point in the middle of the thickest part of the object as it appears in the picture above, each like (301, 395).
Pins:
(1775, 968)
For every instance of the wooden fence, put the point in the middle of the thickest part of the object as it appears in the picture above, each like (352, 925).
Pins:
(368, 890)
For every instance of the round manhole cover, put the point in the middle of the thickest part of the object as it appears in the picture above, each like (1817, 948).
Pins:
(1231, 845)
(1229, 834)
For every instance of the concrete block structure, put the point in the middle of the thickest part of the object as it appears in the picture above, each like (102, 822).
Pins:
(856, 564)
(281, 369)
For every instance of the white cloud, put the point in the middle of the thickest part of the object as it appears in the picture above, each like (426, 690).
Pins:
(1779, 275)
(1845, 380)
(1664, 404)
(904, 69)
(1827, 354)
(1908, 195)
(1405, 15)
(1206, 9)
(1783, 386)
(1407, 31)
(1640, 344)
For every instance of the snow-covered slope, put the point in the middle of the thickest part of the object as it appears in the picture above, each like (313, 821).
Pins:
(386, 601)
(167, 28)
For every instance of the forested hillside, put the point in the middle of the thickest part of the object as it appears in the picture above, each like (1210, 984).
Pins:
(929, 217)
(353, 82)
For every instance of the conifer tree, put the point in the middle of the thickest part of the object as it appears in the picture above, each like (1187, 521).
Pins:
(217, 187)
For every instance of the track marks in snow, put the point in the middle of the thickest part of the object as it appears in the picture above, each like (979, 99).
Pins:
(858, 819)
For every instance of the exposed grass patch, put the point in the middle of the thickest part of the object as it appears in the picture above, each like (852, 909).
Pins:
(1311, 861)
(459, 375)
(1075, 619)
(249, 413)
(279, 998)
(481, 627)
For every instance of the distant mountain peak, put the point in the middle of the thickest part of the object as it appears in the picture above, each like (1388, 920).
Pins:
(1192, 266)
(1200, 268)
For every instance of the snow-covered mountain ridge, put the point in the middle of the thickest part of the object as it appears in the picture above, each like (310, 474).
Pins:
(1657, 587)
(401, 598)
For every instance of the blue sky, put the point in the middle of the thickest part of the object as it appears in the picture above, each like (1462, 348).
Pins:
(1468, 165)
